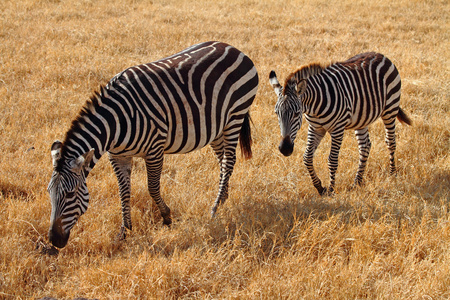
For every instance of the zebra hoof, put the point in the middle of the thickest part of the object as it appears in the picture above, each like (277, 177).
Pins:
(214, 210)
(322, 190)
(326, 191)
(121, 236)
(357, 183)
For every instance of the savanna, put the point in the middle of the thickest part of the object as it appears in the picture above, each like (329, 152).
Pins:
(275, 237)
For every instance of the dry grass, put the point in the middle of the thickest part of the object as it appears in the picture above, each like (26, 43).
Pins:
(275, 237)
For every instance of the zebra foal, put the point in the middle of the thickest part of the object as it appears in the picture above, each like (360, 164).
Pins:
(178, 104)
(344, 95)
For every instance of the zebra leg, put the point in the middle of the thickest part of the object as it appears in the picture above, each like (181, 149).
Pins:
(389, 124)
(364, 145)
(225, 149)
(122, 169)
(217, 146)
(336, 142)
(154, 164)
(314, 138)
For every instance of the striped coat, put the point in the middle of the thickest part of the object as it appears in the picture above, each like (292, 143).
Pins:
(197, 97)
(344, 95)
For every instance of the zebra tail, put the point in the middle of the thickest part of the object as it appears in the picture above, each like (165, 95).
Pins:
(245, 137)
(402, 117)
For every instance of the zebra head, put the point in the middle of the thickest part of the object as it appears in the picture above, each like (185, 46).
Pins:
(289, 110)
(68, 193)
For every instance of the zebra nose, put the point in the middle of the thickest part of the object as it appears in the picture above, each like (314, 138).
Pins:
(286, 146)
(57, 236)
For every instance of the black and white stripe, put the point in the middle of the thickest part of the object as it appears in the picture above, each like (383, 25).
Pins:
(178, 104)
(346, 95)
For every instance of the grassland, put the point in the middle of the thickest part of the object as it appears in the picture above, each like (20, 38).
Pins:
(274, 237)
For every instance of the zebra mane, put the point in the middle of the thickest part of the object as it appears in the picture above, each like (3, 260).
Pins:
(304, 72)
(88, 109)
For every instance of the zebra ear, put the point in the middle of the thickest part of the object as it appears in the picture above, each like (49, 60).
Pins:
(301, 87)
(274, 82)
(56, 152)
(82, 161)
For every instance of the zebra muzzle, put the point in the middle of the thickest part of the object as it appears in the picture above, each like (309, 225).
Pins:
(57, 236)
(286, 146)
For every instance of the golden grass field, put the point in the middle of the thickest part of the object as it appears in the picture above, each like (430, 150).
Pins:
(275, 237)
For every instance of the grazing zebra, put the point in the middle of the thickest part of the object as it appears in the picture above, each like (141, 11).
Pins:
(178, 104)
(345, 95)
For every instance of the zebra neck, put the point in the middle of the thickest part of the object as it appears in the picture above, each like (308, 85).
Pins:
(307, 71)
(88, 131)
(322, 95)
(313, 100)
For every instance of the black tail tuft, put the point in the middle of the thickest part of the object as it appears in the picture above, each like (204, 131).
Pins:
(402, 117)
(245, 137)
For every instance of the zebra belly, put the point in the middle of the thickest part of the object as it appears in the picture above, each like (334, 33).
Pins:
(189, 146)
(193, 135)
(364, 115)
(356, 123)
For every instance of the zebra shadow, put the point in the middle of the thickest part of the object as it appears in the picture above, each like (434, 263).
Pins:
(8, 190)
(270, 222)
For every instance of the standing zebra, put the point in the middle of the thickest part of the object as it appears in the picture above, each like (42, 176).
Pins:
(178, 104)
(346, 95)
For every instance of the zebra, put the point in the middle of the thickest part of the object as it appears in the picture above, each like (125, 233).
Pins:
(197, 97)
(335, 97)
